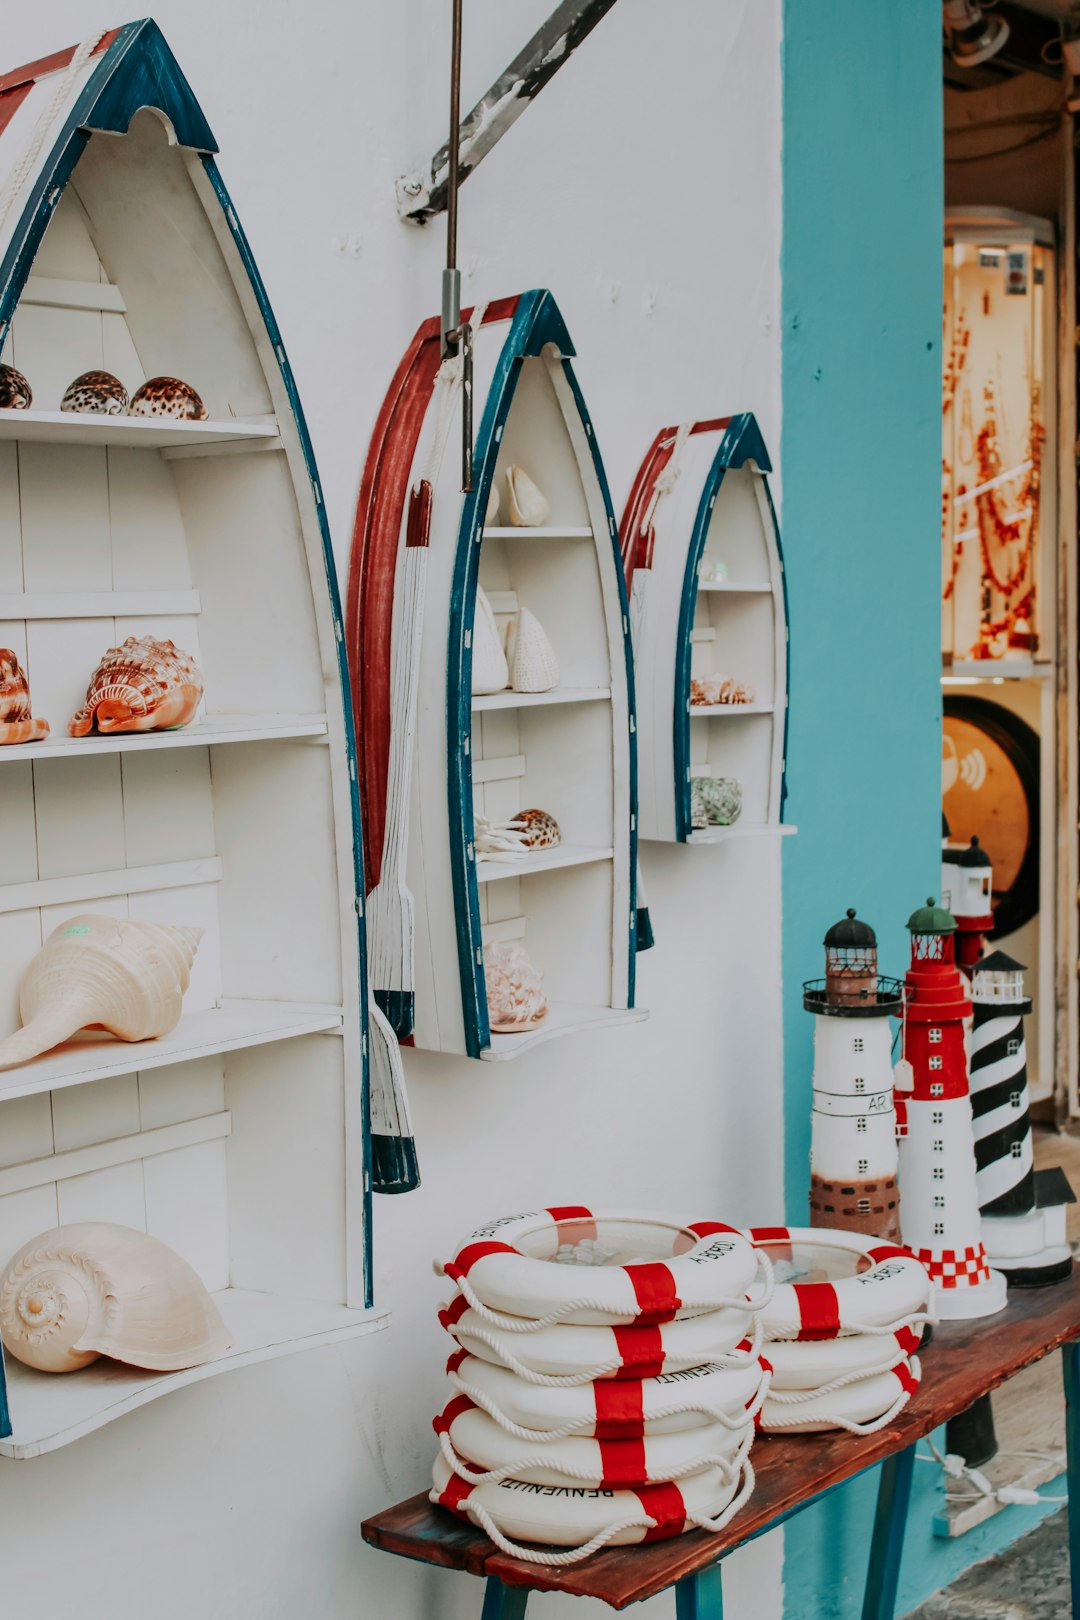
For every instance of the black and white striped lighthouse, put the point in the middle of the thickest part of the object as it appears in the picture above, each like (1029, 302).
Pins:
(1023, 1210)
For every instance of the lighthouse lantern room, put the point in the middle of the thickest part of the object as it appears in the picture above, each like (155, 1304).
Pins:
(967, 882)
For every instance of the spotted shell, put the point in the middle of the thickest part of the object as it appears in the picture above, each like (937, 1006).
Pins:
(16, 722)
(15, 391)
(539, 829)
(515, 989)
(145, 685)
(96, 392)
(168, 396)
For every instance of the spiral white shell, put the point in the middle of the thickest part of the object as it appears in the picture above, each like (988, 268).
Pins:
(490, 672)
(527, 506)
(128, 977)
(533, 665)
(97, 1289)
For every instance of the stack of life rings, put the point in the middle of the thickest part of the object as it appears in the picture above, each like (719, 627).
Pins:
(606, 1380)
(847, 1314)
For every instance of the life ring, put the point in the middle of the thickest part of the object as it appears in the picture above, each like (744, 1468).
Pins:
(811, 1364)
(583, 1520)
(466, 1432)
(612, 1408)
(572, 1355)
(860, 1408)
(854, 1284)
(620, 1268)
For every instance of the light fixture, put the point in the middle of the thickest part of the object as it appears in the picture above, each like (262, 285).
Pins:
(971, 36)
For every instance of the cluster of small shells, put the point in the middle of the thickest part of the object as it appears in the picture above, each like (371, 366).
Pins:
(587, 1253)
(99, 393)
(715, 801)
(515, 988)
(714, 689)
(506, 840)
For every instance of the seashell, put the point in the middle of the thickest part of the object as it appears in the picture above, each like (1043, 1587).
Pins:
(515, 989)
(168, 396)
(489, 668)
(715, 801)
(528, 506)
(506, 840)
(96, 391)
(16, 723)
(533, 665)
(711, 690)
(102, 972)
(15, 392)
(491, 516)
(97, 1289)
(145, 685)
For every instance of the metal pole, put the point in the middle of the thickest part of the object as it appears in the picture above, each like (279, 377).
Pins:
(457, 339)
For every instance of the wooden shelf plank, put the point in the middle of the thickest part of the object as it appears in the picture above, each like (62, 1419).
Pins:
(532, 700)
(746, 586)
(550, 531)
(996, 669)
(130, 432)
(213, 728)
(49, 1411)
(56, 293)
(740, 829)
(82, 886)
(564, 1018)
(228, 1028)
(701, 711)
(117, 1150)
(98, 604)
(541, 860)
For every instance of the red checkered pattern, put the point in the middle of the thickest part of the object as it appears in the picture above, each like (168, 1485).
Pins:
(953, 1268)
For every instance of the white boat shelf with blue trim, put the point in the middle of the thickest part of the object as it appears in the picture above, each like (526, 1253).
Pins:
(708, 602)
(421, 549)
(244, 824)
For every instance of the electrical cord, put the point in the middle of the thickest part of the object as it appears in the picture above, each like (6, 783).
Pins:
(955, 1467)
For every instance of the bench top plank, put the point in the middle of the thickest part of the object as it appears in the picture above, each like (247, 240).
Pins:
(965, 1360)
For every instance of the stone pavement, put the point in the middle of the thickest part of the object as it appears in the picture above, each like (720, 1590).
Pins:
(1028, 1581)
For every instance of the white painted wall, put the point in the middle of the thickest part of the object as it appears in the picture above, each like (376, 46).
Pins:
(644, 189)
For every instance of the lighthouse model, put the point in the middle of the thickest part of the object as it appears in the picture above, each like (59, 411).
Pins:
(1023, 1209)
(966, 885)
(853, 1153)
(941, 1222)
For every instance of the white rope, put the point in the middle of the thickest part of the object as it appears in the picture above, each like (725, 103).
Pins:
(22, 170)
(851, 1425)
(788, 1332)
(797, 1397)
(666, 481)
(728, 1467)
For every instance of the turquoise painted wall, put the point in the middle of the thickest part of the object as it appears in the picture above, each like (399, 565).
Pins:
(860, 462)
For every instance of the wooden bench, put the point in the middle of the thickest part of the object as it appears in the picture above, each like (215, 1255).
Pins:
(964, 1361)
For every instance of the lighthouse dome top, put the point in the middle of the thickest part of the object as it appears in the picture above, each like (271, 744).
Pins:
(974, 855)
(932, 919)
(851, 933)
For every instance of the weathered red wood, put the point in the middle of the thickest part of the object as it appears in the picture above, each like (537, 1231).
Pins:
(964, 1361)
(50, 64)
(637, 548)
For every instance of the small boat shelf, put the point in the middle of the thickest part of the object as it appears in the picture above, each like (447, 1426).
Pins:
(708, 606)
(243, 824)
(434, 756)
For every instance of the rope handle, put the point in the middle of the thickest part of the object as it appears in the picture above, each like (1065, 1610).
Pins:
(788, 1332)
(851, 1425)
(797, 1397)
(727, 1466)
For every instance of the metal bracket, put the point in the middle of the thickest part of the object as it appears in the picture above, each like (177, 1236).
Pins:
(423, 194)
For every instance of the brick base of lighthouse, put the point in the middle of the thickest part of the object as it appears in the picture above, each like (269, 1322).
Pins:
(871, 1208)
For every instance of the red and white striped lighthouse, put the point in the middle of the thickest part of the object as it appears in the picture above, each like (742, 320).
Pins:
(940, 1209)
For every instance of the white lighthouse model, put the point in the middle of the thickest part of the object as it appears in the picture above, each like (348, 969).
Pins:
(853, 1153)
(941, 1223)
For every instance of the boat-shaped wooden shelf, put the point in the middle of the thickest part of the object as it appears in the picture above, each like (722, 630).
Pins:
(243, 824)
(434, 756)
(708, 604)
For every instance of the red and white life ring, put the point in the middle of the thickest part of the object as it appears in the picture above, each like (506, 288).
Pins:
(860, 1407)
(583, 1520)
(570, 1354)
(811, 1364)
(612, 1408)
(620, 1267)
(875, 1287)
(466, 1432)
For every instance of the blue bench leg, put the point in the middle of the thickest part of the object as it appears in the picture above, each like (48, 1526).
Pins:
(887, 1542)
(504, 1602)
(1070, 1366)
(700, 1596)
(5, 1415)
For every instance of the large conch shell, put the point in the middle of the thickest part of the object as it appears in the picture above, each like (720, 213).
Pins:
(533, 665)
(16, 724)
(528, 506)
(102, 972)
(490, 672)
(515, 989)
(145, 685)
(96, 1289)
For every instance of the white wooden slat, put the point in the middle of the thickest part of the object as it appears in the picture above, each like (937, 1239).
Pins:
(508, 928)
(80, 817)
(120, 1151)
(57, 293)
(501, 902)
(548, 531)
(67, 250)
(750, 587)
(143, 501)
(113, 1194)
(18, 846)
(11, 564)
(79, 888)
(118, 352)
(168, 806)
(563, 1018)
(98, 605)
(25, 1129)
(85, 1115)
(498, 770)
(62, 654)
(22, 1217)
(532, 700)
(503, 601)
(20, 940)
(64, 495)
(181, 1091)
(187, 1205)
(52, 347)
(64, 430)
(502, 799)
(221, 447)
(543, 860)
(215, 729)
